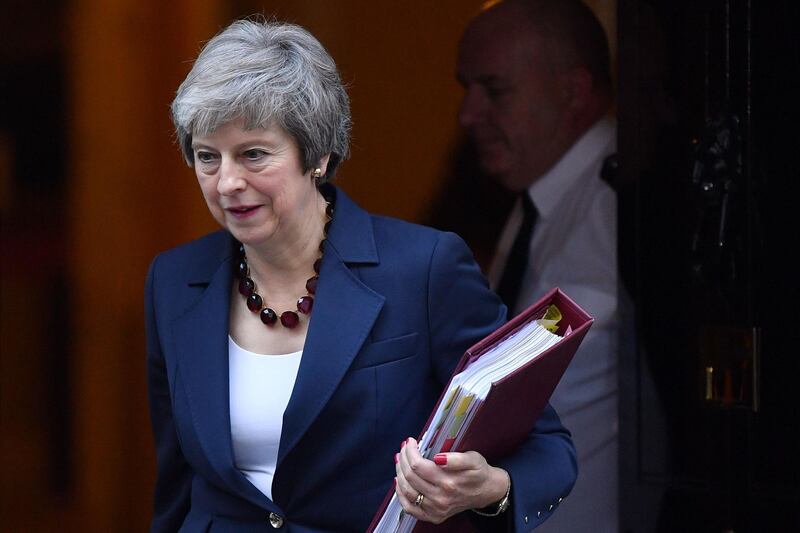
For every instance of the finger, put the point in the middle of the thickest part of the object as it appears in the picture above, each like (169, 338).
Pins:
(420, 473)
(424, 476)
(412, 485)
(454, 461)
(410, 489)
(417, 511)
(402, 486)
(421, 467)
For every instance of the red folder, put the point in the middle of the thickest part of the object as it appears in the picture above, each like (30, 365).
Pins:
(509, 412)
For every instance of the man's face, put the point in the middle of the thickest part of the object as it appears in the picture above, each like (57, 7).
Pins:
(514, 104)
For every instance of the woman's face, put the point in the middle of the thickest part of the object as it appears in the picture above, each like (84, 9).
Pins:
(253, 183)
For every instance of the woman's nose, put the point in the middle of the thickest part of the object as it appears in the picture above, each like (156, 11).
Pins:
(231, 177)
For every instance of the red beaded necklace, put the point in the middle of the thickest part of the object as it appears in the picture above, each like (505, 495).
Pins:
(255, 303)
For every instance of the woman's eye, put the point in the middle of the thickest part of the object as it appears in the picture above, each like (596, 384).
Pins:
(254, 154)
(205, 157)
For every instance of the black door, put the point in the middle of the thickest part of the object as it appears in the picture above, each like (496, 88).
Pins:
(709, 172)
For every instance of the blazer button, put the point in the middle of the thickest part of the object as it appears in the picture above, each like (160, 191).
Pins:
(275, 521)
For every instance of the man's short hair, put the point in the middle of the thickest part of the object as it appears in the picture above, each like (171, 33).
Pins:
(572, 36)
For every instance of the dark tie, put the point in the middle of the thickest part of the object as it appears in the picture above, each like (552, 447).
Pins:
(510, 282)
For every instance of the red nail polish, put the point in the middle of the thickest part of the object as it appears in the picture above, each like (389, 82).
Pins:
(403, 444)
(396, 458)
(440, 459)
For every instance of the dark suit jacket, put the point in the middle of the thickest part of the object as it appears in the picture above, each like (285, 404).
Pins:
(396, 306)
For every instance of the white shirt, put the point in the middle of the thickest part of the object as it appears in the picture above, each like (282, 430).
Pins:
(260, 388)
(574, 247)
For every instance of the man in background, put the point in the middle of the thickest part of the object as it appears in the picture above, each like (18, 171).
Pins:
(536, 103)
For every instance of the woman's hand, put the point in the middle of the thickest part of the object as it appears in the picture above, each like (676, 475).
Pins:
(452, 483)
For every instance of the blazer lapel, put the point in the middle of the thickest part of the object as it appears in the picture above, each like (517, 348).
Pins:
(201, 342)
(344, 312)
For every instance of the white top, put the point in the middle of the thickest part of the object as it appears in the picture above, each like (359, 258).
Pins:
(574, 247)
(260, 388)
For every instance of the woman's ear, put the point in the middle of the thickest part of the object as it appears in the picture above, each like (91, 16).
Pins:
(323, 163)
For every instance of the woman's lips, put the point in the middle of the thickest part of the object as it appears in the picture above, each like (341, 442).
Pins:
(243, 211)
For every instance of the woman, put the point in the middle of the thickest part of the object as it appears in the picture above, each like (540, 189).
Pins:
(290, 354)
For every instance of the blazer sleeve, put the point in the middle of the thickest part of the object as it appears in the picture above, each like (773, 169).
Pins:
(174, 477)
(462, 310)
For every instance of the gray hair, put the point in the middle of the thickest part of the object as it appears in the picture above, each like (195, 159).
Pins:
(267, 72)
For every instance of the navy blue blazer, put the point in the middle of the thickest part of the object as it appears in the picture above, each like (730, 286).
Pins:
(397, 304)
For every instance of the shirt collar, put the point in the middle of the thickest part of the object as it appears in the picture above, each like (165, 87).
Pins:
(547, 191)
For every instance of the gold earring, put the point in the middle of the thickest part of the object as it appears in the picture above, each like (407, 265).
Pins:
(317, 175)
